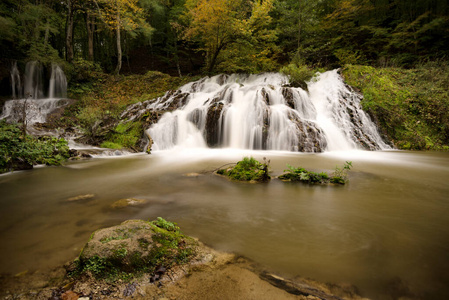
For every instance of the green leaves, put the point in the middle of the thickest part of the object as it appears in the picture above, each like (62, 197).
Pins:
(300, 174)
(18, 151)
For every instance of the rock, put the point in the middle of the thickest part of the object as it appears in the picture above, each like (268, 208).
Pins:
(127, 202)
(192, 175)
(297, 288)
(135, 246)
(23, 273)
(81, 197)
(69, 295)
(213, 125)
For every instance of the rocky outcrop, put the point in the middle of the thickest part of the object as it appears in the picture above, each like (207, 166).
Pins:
(310, 137)
(135, 246)
(213, 124)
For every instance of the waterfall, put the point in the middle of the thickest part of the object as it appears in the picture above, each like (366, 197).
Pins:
(30, 96)
(16, 83)
(58, 83)
(33, 87)
(263, 112)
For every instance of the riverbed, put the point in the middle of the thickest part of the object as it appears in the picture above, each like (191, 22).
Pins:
(386, 231)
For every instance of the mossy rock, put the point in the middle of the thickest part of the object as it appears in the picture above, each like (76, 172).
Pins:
(247, 169)
(134, 247)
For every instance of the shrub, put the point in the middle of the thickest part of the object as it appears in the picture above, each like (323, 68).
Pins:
(18, 151)
(300, 174)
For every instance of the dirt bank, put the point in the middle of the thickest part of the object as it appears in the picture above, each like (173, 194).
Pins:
(213, 275)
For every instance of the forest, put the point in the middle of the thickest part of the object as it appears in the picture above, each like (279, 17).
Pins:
(180, 37)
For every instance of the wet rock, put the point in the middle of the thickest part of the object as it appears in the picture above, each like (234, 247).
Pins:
(310, 137)
(81, 197)
(69, 295)
(288, 97)
(213, 125)
(129, 289)
(127, 202)
(297, 288)
(192, 175)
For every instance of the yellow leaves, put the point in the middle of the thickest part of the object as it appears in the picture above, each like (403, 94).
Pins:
(126, 12)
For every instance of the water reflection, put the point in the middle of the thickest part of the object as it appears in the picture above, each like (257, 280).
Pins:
(386, 231)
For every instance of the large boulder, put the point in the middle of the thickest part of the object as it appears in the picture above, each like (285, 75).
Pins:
(134, 247)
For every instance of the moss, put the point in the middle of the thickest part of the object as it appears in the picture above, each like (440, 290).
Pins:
(124, 135)
(248, 169)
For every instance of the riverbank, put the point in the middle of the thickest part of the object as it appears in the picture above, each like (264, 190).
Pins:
(212, 275)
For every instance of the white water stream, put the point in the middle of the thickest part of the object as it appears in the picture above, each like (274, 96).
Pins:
(262, 112)
(28, 99)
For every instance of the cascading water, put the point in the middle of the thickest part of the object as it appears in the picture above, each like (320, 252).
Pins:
(58, 83)
(33, 87)
(28, 99)
(16, 82)
(263, 112)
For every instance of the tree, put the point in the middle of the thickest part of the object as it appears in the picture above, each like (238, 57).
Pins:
(121, 14)
(215, 24)
(254, 49)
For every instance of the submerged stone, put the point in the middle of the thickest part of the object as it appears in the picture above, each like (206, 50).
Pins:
(127, 202)
(81, 197)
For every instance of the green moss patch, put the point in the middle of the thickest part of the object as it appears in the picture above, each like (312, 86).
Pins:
(124, 135)
(248, 169)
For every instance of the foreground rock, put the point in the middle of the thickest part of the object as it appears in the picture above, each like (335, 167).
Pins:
(133, 248)
(105, 271)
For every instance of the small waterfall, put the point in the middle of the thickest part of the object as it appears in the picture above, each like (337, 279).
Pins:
(33, 87)
(262, 112)
(28, 100)
(16, 83)
(58, 83)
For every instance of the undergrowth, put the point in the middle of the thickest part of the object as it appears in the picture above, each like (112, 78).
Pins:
(411, 106)
(339, 176)
(19, 151)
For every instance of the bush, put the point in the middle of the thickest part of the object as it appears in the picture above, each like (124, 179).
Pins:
(22, 152)
(298, 72)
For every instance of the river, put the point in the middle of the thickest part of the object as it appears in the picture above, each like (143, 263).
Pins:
(386, 231)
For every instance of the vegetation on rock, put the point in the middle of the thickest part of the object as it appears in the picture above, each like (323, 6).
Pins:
(411, 106)
(248, 169)
(18, 151)
(339, 176)
(103, 99)
(133, 248)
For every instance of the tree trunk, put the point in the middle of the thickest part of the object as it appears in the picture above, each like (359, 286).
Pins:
(119, 47)
(213, 60)
(69, 34)
(90, 26)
